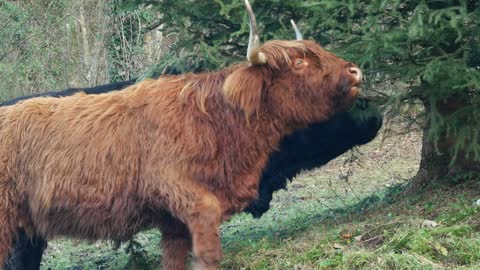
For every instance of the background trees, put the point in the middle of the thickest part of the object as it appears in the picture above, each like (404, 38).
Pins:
(55, 44)
(421, 57)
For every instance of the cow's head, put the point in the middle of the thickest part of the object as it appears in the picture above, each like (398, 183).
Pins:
(297, 81)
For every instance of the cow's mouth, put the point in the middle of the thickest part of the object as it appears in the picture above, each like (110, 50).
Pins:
(349, 88)
(354, 90)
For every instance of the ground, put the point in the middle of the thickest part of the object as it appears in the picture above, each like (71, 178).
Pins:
(349, 214)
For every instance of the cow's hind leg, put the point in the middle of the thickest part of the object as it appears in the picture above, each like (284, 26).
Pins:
(8, 218)
(176, 244)
(26, 253)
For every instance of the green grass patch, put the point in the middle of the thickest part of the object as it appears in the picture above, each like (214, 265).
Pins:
(393, 233)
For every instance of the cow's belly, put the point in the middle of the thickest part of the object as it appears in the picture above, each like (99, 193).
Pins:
(117, 219)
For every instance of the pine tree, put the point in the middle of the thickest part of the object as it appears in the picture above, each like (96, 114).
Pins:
(431, 49)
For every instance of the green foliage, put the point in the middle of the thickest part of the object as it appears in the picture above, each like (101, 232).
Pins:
(27, 31)
(131, 20)
(430, 47)
(212, 35)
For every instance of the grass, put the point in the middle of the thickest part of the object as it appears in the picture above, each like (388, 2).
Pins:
(393, 236)
(325, 222)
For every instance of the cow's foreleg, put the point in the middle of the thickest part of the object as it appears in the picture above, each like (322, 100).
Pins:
(200, 210)
(204, 226)
(175, 251)
(176, 244)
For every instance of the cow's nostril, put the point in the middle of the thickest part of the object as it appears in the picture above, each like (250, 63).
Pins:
(356, 73)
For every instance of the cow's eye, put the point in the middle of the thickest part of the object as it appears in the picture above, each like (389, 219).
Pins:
(299, 63)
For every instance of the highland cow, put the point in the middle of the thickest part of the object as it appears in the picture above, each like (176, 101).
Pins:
(304, 149)
(181, 153)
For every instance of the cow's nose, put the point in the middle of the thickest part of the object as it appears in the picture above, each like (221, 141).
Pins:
(356, 73)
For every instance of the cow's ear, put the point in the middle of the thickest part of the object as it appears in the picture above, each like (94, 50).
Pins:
(244, 88)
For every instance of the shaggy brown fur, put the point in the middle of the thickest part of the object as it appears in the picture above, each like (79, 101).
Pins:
(181, 153)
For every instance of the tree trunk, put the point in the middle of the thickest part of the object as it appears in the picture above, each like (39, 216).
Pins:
(436, 157)
(85, 42)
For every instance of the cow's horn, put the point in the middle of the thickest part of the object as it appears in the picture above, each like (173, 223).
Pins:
(254, 56)
(298, 34)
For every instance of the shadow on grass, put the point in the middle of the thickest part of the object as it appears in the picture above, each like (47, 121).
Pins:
(279, 226)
